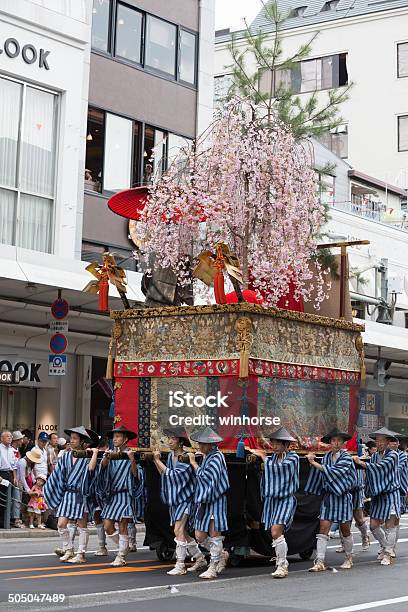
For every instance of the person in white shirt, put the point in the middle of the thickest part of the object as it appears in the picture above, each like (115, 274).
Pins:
(7, 458)
(16, 508)
(41, 469)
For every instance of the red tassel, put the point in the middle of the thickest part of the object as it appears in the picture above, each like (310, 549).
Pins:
(219, 291)
(103, 294)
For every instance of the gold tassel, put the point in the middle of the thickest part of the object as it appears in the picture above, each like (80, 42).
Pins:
(243, 326)
(360, 348)
(110, 362)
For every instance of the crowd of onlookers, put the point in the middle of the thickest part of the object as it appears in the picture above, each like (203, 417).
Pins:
(25, 464)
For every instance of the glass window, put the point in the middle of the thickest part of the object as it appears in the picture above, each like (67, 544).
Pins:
(187, 62)
(118, 153)
(38, 143)
(177, 147)
(402, 58)
(136, 155)
(154, 153)
(403, 133)
(27, 165)
(10, 102)
(100, 24)
(95, 137)
(128, 33)
(161, 45)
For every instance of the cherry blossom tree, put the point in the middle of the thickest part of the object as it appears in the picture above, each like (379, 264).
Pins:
(251, 187)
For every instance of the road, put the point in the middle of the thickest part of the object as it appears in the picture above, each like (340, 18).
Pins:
(29, 566)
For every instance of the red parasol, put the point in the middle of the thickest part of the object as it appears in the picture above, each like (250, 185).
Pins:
(129, 203)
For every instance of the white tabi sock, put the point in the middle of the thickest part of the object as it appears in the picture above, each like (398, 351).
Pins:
(391, 540)
(64, 536)
(132, 533)
(206, 543)
(216, 548)
(83, 539)
(193, 549)
(181, 550)
(281, 550)
(363, 529)
(115, 537)
(379, 535)
(100, 531)
(123, 545)
(72, 530)
(321, 546)
(348, 545)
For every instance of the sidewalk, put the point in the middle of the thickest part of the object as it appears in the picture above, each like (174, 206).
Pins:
(9, 534)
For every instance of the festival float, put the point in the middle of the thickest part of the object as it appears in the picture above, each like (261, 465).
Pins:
(234, 223)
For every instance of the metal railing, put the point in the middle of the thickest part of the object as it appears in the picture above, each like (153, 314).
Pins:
(375, 211)
(5, 506)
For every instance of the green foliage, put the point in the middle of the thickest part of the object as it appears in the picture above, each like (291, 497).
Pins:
(306, 114)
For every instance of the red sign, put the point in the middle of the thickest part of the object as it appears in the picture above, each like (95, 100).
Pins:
(60, 309)
(58, 343)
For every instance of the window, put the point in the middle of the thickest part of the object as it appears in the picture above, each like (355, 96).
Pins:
(336, 140)
(128, 34)
(100, 24)
(161, 45)
(330, 6)
(403, 133)
(27, 165)
(154, 153)
(310, 75)
(402, 60)
(187, 62)
(93, 251)
(118, 153)
(299, 11)
(95, 142)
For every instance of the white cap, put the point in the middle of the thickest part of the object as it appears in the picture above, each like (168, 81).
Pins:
(61, 442)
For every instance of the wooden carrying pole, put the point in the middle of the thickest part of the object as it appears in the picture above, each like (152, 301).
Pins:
(343, 267)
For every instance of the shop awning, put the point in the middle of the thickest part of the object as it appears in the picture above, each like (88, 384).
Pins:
(392, 342)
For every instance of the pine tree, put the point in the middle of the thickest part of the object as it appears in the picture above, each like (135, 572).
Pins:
(306, 115)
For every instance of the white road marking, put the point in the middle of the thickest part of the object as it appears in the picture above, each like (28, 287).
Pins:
(370, 605)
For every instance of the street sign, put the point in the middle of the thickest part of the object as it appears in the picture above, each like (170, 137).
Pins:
(9, 378)
(58, 343)
(59, 326)
(57, 365)
(60, 309)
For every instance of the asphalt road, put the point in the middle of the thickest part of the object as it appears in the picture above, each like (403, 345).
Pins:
(29, 566)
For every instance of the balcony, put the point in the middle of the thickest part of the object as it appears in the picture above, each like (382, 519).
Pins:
(373, 210)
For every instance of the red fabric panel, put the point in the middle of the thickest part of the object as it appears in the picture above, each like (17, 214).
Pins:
(229, 386)
(288, 302)
(354, 409)
(127, 404)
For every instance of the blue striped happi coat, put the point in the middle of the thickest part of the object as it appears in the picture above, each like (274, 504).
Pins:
(120, 492)
(63, 488)
(210, 493)
(358, 491)
(90, 491)
(403, 471)
(279, 483)
(177, 488)
(335, 484)
(383, 485)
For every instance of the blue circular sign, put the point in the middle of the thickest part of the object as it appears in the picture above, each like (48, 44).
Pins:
(60, 309)
(58, 343)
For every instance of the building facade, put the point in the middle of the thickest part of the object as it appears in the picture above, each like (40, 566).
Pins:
(96, 96)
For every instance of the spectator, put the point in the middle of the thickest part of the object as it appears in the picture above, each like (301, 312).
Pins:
(8, 461)
(52, 452)
(41, 469)
(25, 472)
(28, 441)
(16, 443)
(371, 448)
(62, 447)
(37, 505)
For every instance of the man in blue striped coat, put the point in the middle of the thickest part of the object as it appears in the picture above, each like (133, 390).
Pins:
(178, 483)
(120, 485)
(63, 492)
(333, 479)
(210, 499)
(383, 486)
(279, 484)
(400, 447)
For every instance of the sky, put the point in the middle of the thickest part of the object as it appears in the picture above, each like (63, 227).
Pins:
(229, 13)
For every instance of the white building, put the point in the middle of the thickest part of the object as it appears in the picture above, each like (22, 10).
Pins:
(358, 41)
(365, 43)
